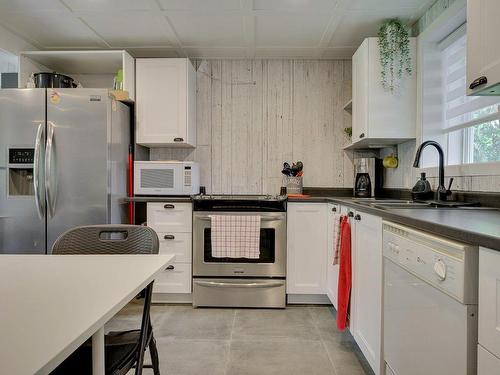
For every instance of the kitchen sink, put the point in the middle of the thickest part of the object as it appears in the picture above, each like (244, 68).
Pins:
(395, 204)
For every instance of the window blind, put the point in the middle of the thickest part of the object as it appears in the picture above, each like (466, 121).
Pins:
(462, 111)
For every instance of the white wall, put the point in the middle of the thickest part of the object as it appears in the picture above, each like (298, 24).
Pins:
(245, 132)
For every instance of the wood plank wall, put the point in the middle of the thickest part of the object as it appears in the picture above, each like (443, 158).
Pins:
(252, 115)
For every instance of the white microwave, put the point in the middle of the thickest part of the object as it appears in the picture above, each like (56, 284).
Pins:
(166, 178)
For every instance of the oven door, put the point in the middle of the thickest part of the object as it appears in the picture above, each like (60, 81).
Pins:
(272, 259)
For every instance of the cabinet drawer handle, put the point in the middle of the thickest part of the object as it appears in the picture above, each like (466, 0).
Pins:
(478, 82)
(357, 217)
(350, 214)
(169, 206)
(334, 209)
(178, 139)
(362, 135)
(171, 267)
(169, 237)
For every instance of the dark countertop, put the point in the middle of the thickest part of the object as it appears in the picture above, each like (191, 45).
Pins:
(473, 226)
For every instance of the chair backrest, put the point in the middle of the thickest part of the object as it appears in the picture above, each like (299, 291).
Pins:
(115, 239)
(107, 239)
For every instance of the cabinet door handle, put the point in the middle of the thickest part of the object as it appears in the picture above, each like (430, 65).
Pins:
(178, 139)
(362, 135)
(169, 206)
(350, 214)
(171, 267)
(334, 209)
(357, 217)
(169, 237)
(478, 82)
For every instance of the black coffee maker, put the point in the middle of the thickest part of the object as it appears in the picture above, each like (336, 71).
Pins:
(367, 177)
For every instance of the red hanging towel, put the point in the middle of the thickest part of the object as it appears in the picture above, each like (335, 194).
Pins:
(345, 274)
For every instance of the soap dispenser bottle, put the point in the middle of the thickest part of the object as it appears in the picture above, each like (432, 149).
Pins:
(422, 189)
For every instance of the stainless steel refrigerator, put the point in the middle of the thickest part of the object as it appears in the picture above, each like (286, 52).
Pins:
(63, 163)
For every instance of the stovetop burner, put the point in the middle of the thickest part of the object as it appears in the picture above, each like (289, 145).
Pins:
(239, 203)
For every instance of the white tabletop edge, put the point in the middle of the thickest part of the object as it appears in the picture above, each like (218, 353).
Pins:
(59, 358)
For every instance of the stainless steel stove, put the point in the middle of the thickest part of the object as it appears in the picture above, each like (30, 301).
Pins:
(240, 282)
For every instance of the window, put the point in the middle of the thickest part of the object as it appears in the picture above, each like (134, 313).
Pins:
(471, 127)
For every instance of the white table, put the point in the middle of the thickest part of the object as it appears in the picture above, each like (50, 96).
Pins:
(51, 304)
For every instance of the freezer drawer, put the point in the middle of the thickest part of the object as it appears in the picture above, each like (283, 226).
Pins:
(239, 292)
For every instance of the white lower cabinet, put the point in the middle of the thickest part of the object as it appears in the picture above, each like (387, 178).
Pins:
(306, 248)
(172, 221)
(487, 363)
(332, 270)
(489, 301)
(366, 294)
(176, 279)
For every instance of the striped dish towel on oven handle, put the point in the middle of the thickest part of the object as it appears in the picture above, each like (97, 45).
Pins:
(235, 236)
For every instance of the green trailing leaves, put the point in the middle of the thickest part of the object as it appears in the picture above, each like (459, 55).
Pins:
(395, 59)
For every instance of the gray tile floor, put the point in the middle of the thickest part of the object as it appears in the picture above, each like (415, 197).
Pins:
(298, 340)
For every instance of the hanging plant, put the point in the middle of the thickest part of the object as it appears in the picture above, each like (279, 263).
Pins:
(394, 45)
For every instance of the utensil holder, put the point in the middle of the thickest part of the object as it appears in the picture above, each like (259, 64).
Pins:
(293, 184)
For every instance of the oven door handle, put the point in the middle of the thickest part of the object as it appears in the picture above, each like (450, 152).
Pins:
(262, 218)
(221, 284)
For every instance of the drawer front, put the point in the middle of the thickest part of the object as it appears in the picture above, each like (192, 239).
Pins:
(170, 217)
(487, 363)
(239, 293)
(178, 244)
(489, 300)
(176, 280)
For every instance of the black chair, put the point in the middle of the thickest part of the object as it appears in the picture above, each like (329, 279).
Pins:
(123, 350)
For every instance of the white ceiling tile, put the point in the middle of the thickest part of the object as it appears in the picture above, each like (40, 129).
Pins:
(217, 53)
(30, 5)
(208, 30)
(154, 52)
(355, 26)
(130, 29)
(200, 5)
(366, 5)
(294, 5)
(290, 30)
(51, 29)
(114, 5)
(340, 53)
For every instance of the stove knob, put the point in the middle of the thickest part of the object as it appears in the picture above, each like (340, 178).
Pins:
(440, 269)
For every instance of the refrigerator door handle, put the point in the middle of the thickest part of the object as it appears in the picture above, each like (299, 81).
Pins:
(50, 192)
(39, 201)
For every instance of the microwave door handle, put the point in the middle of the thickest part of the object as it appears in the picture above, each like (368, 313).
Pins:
(222, 284)
(262, 218)
(39, 200)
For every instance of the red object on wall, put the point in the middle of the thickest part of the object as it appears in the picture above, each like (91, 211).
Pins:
(345, 274)
(130, 184)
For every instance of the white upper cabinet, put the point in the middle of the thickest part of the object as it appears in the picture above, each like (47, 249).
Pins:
(306, 248)
(379, 116)
(483, 51)
(165, 102)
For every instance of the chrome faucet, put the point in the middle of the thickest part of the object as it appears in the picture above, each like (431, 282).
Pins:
(441, 192)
